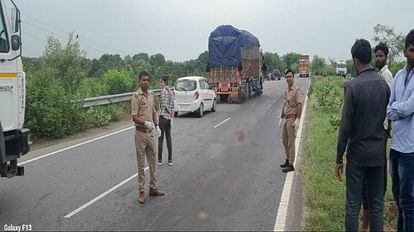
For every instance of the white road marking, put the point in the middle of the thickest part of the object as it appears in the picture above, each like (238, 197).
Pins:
(280, 222)
(84, 206)
(73, 146)
(221, 123)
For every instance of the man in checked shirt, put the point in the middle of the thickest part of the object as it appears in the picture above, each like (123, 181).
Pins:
(166, 113)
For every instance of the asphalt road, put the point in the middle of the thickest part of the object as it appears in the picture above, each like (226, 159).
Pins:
(226, 176)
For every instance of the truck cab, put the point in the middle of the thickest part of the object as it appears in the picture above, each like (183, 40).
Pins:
(304, 66)
(341, 68)
(14, 139)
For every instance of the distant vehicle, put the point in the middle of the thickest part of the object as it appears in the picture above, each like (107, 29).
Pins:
(303, 61)
(234, 64)
(276, 74)
(14, 139)
(194, 94)
(341, 68)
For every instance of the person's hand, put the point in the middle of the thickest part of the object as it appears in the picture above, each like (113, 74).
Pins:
(280, 122)
(338, 171)
(296, 124)
(157, 131)
(149, 125)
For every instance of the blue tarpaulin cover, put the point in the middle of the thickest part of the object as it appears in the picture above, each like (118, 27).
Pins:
(225, 44)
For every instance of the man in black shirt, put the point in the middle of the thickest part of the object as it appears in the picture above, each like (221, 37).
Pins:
(362, 134)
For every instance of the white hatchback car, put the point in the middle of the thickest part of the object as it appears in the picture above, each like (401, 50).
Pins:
(194, 94)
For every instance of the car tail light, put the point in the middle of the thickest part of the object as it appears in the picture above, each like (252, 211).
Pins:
(196, 95)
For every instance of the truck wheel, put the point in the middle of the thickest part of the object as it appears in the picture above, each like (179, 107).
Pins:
(224, 97)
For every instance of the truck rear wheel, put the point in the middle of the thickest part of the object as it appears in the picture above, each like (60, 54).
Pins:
(224, 97)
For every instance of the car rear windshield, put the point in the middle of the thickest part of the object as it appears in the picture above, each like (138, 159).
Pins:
(185, 85)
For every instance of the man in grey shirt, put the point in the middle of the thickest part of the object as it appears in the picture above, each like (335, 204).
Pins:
(362, 134)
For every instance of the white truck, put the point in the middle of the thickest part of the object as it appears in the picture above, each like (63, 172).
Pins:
(341, 68)
(14, 139)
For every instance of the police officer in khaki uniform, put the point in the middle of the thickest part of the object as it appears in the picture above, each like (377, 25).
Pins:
(145, 117)
(289, 119)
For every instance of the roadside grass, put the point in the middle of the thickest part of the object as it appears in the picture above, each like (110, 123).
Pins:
(324, 196)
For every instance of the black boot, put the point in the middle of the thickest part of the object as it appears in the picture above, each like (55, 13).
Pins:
(288, 168)
(285, 163)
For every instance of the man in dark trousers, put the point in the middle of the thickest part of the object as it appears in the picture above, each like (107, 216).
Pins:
(362, 134)
(401, 112)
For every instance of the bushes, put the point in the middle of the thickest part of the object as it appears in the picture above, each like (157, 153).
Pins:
(329, 95)
(52, 111)
(118, 81)
(49, 110)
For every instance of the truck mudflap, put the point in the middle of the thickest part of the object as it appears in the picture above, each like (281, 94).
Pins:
(13, 144)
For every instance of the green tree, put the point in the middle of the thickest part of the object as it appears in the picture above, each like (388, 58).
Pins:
(291, 61)
(119, 81)
(157, 60)
(395, 41)
(141, 56)
(318, 63)
(203, 58)
(69, 62)
(273, 62)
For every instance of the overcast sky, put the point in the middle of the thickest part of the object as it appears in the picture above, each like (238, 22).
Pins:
(179, 29)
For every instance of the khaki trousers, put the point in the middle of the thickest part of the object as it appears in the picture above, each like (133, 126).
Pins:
(288, 139)
(145, 147)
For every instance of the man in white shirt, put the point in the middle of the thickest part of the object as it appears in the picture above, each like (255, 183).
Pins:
(381, 57)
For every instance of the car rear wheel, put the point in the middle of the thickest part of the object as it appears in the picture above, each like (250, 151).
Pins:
(213, 109)
(201, 111)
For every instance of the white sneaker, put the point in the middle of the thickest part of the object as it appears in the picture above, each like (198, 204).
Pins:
(159, 163)
(170, 163)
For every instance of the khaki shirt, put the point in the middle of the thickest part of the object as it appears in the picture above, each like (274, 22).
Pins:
(292, 98)
(143, 106)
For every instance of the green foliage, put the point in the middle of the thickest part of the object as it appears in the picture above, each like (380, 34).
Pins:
(394, 41)
(318, 63)
(97, 116)
(50, 111)
(329, 70)
(105, 63)
(118, 81)
(291, 61)
(68, 61)
(141, 56)
(203, 58)
(157, 60)
(329, 95)
(396, 66)
(118, 111)
(324, 197)
(273, 62)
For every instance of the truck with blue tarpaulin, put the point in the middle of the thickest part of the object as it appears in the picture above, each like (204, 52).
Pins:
(234, 64)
